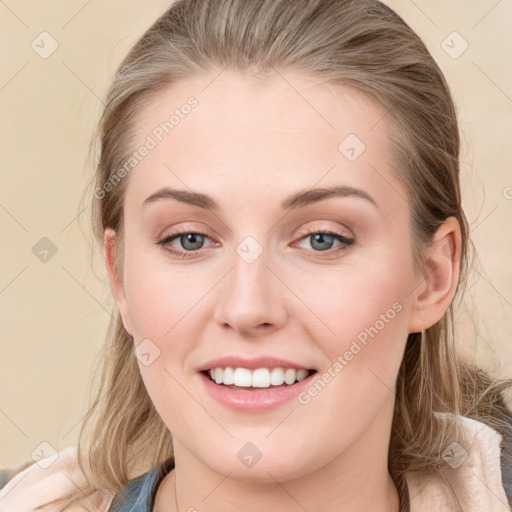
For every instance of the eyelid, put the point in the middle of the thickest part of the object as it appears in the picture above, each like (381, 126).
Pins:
(187, 228)
(324, 229)
(345, 242)
(176, 233)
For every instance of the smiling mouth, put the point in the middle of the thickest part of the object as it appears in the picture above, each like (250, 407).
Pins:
(262, 385)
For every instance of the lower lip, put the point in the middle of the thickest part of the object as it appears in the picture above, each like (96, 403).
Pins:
(258, 399)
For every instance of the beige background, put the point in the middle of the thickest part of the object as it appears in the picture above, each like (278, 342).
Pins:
(54, 315)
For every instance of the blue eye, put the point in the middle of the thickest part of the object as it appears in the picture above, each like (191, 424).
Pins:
(193, 241)
(322, 238)
(187, 238)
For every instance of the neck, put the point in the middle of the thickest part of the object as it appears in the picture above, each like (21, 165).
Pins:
(356, 480)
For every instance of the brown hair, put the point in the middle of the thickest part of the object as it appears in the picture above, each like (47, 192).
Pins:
(362, 44)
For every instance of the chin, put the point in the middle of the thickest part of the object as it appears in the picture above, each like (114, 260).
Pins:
(266, 470)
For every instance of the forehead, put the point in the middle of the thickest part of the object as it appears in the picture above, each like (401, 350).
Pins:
(280, 134)
(285, 101)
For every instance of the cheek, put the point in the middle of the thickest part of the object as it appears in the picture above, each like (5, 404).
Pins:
(361, 325)
(158, 295)
(161, 310)
(164, 304)
(357, 302)
(169, 395)
(363, 355)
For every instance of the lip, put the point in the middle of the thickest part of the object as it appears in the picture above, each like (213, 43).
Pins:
(257, 400)
(251, 364)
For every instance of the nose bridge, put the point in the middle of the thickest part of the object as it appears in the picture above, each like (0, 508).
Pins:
(250, 295)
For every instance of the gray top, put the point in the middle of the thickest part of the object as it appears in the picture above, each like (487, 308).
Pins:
(138, 495)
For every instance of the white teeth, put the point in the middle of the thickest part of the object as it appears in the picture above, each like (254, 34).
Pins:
(228, 376)
(289, 376)
(218, 375)
(259, 378)
(243, 376)
(302, 374)
(277, 376)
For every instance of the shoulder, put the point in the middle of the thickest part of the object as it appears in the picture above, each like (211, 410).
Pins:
(506, 461)
(44, 483)
(475, 477)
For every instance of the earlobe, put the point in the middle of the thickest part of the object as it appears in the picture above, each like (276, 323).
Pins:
(437, 289)
(116, 281)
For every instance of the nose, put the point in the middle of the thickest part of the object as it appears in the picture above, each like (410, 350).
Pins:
(251, 298)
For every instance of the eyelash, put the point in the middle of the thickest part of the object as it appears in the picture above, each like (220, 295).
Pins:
(345, 242)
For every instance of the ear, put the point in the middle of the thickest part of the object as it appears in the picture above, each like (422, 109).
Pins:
(435, 291)
(116, 281)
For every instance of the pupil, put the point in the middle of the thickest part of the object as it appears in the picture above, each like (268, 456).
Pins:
(191, 237)
(320, 236)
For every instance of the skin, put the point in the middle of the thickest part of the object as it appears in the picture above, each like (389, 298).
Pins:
(249, 145)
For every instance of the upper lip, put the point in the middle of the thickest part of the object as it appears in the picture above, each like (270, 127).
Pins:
(250, 363)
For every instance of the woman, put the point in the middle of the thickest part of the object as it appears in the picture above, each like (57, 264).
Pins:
(278, 199)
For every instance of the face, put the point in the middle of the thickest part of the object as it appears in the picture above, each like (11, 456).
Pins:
(323, 284)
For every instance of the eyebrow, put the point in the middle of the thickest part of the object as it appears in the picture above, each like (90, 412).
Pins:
(298, 200)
